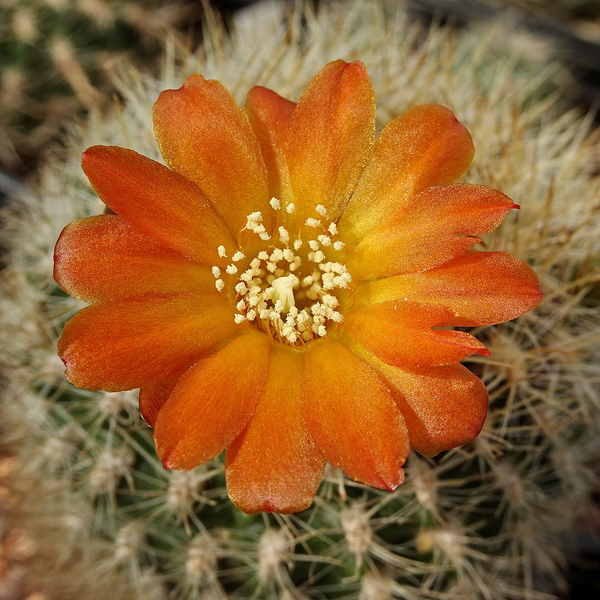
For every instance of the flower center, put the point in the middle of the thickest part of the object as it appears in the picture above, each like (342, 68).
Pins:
(286, 283)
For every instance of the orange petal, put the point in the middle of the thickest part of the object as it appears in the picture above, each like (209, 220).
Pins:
(443, 407)
(156, 201)
(270, 116)
(331, 138)
(274, 465)
(426, 146)
(438, 226)
(204, 135)
(131, 343)
(481, 288)
(212, 402)
(103, 258)
(352, 416)
(155, 394)
(400, 333)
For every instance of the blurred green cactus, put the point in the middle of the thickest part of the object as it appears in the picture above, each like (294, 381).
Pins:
(485, 521)
(52, 54)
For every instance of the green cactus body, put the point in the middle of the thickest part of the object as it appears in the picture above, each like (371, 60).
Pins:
(53, 57)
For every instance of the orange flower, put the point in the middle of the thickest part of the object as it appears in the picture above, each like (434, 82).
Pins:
(284, 288)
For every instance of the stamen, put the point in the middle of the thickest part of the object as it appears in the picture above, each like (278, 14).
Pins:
(289, 294)
(284, 236)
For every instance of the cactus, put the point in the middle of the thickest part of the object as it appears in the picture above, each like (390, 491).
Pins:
(52, 56)
(485, 521)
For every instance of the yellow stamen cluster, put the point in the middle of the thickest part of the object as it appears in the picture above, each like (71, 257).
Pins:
(288, 288)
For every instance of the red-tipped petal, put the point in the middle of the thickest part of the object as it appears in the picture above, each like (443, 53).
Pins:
(439, 225)
(157, 202)
(481, 288)
(103, 258)
(204, 135)
(270, 116)
(274, 465)
(400, 333)
(427, 146)
(131, 343)
(331, 138)
(352, 416)
(212, 402)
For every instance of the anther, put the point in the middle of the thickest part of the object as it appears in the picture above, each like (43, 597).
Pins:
(284, 236)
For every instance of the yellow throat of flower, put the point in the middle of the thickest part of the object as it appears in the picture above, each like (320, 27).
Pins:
(285, 282)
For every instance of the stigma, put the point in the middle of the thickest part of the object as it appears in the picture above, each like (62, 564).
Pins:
(286, 282)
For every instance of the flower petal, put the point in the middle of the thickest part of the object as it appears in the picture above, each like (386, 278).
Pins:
(270, 116)
(212, 402)
(426, 146)
(443, 407)
(352, 416)
(131, 343)
(204, 135)
(439, 226)
(103, 258)
(274, 465)
(156, 201)
(154, 395)
(481, 288)
(331, 138)
(400, 334)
